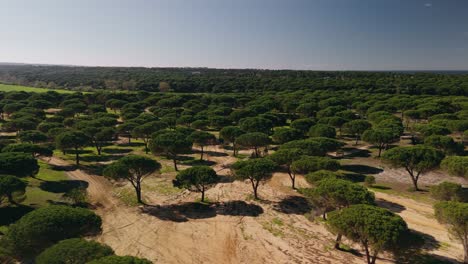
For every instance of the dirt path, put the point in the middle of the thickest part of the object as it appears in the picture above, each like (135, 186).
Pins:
(420, 217)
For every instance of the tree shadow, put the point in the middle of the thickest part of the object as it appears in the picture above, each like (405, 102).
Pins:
(117, 150)
(238, 208)
(80, 151)
(62, 186)
(350, 250)
(100, 158)
(62, 167)
(394, 207)
(11, 214)
(361, 169)
(95, 169)
(293, 205)
(226, 179)
(132, 144)
(354, 177)
(186, 211)
(381, 187)
(197, 162)
(413, 246)
(216, 154)
(351, 152)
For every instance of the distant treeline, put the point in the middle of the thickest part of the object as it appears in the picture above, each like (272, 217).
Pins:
(204, 80)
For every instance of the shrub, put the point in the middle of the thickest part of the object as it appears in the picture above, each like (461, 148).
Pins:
(45, 226)
(73, 251)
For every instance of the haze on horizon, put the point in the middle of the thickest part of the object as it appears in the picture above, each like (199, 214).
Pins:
(273, 34)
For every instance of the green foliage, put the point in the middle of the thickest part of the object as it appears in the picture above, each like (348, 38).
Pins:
(170, 143)
(74, 140)
(256, 124)
(29, 148)
(321, 130)
(254, 170)
(45, 226)
(314, 177)
(379, 137)
(427, 130)
(356, 127)
(376, 229)
(120, 260)
(302, 124)
(449, 191)
(32, 136)
(456, 165)
(417, 160)
(230, 133)
(78, 196)
(283, 135)
(202, 139)
(445, 144)
(198, 178)
(73, 251)
(455, 216)
(314, 146)
(133, 169)
(18, 164)
(308, 164)
(369, 180)
(254, 141)
(332, 193)
(10, 186)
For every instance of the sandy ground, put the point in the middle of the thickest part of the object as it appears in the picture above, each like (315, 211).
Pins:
(235, 229)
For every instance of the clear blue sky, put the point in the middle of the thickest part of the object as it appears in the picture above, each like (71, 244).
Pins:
(276, 34)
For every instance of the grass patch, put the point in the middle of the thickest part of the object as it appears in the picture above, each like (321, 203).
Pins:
(417, 196)
(47, 173)
(19, 88)
(126, 195)
(274, 227)
(160, 187)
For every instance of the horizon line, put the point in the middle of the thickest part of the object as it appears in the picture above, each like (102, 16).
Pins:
(227, 68)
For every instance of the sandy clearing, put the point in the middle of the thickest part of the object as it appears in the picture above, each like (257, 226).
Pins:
(274, 236)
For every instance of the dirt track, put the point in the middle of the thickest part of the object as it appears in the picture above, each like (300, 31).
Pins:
(269, 231)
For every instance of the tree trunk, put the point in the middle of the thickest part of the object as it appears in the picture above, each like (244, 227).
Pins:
(98, 148)
(129, 139)
(77, 157)
(146, 146)
(465, 246)
(338, 241)
(138, 192)
(380, 151)
(255, 187)
(367, 253)
(256, 152)
(175, 163)
(255, 193)
(324, 215)
(357, 140)
(374, 258)
(201, 156)
(292, 177)
(10, 198)
(234, 149)
(203, 195)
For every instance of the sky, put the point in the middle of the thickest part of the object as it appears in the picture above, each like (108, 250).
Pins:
(266, 34)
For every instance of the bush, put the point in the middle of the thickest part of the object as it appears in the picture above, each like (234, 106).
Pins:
(319, 175)
(456, 165)
(74, 250)
(45, 226)
(449, 191)
(369, 180)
